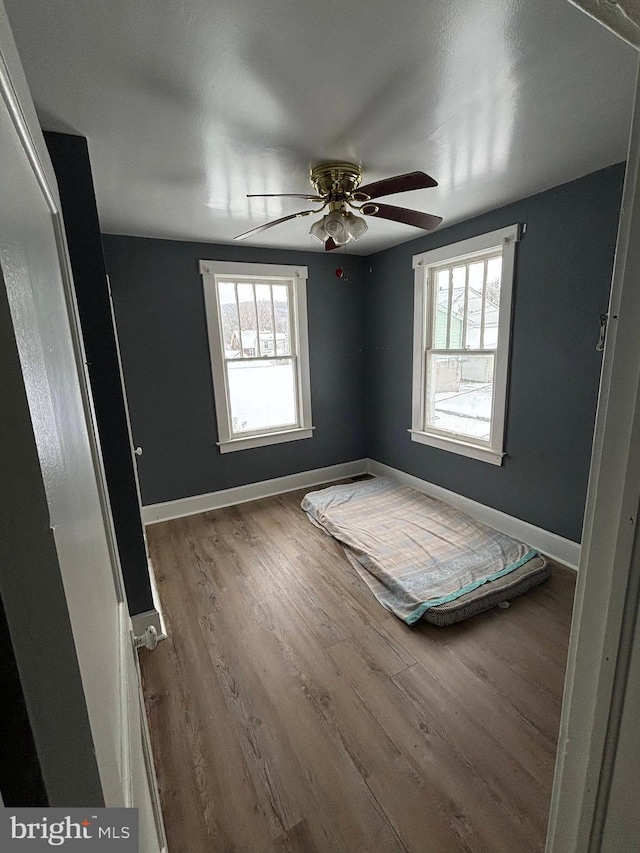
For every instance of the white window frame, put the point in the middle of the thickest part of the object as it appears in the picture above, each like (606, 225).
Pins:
(491, 451)
(295, 277)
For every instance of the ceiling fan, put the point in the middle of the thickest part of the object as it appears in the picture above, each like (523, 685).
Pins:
(338, 188)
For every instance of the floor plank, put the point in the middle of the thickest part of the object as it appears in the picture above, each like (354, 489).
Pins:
(291, 713)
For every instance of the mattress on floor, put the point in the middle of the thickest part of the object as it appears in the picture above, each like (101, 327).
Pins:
(520, 580)
(421, 557)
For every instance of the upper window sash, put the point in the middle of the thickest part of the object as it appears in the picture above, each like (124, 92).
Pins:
(457, 326)
(259, 344)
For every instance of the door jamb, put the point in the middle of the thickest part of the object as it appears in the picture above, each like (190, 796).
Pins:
(609, 574)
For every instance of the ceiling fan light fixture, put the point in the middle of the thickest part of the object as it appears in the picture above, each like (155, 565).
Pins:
(335, 226)
(317, 230)
(332, 225)
(341, 227)
(356, 225)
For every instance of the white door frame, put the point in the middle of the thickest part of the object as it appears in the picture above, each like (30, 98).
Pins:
(15, 96)
(15, 93)
(154, 618)
(606, 601)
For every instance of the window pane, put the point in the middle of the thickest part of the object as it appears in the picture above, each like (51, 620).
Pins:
(474, 306)
(457, 308)
(265, 319)
(281, 311)
(442, 309)
(460, 394)
(262, 394)
(229, 318)
(248, 321)
(492, 303)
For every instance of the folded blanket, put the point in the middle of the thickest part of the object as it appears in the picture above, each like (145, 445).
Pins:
(414, 552)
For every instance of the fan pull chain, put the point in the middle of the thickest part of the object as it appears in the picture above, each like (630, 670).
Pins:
(340, 273)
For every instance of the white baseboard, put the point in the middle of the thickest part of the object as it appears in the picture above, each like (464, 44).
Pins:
(554, 546)
(563, 550)
(252, 491)
(162, 635)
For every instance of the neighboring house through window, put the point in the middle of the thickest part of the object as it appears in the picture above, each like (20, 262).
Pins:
(462, 327)
(258, 339)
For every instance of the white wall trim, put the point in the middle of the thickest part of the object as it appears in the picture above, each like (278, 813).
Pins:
(466, 248)
(464, 448)
(563, 550)
(252, 491)
(234, 444)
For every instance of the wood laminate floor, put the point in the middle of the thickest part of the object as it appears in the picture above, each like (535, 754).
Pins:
(291, 713)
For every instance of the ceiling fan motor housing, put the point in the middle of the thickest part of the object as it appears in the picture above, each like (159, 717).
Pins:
(336, 178)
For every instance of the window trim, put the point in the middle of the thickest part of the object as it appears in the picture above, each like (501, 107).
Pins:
(209, 270)
(504, 239)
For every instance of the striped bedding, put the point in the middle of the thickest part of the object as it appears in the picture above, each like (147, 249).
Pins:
(413, 551)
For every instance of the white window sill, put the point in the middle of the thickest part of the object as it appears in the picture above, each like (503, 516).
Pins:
(473, 451)
(265, 439)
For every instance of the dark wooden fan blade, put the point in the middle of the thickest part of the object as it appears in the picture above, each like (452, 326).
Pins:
(399, 184)
(330, 244)
(286, 195)
(426, 221)
(271, 224)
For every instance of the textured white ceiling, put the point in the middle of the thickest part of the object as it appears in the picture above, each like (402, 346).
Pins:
(188, 106)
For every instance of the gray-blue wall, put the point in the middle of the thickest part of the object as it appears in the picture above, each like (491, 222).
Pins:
(360, 335)
(158, 296)
(563, 276)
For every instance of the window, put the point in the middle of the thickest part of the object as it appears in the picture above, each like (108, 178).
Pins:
(462, 325)
(257, 322)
